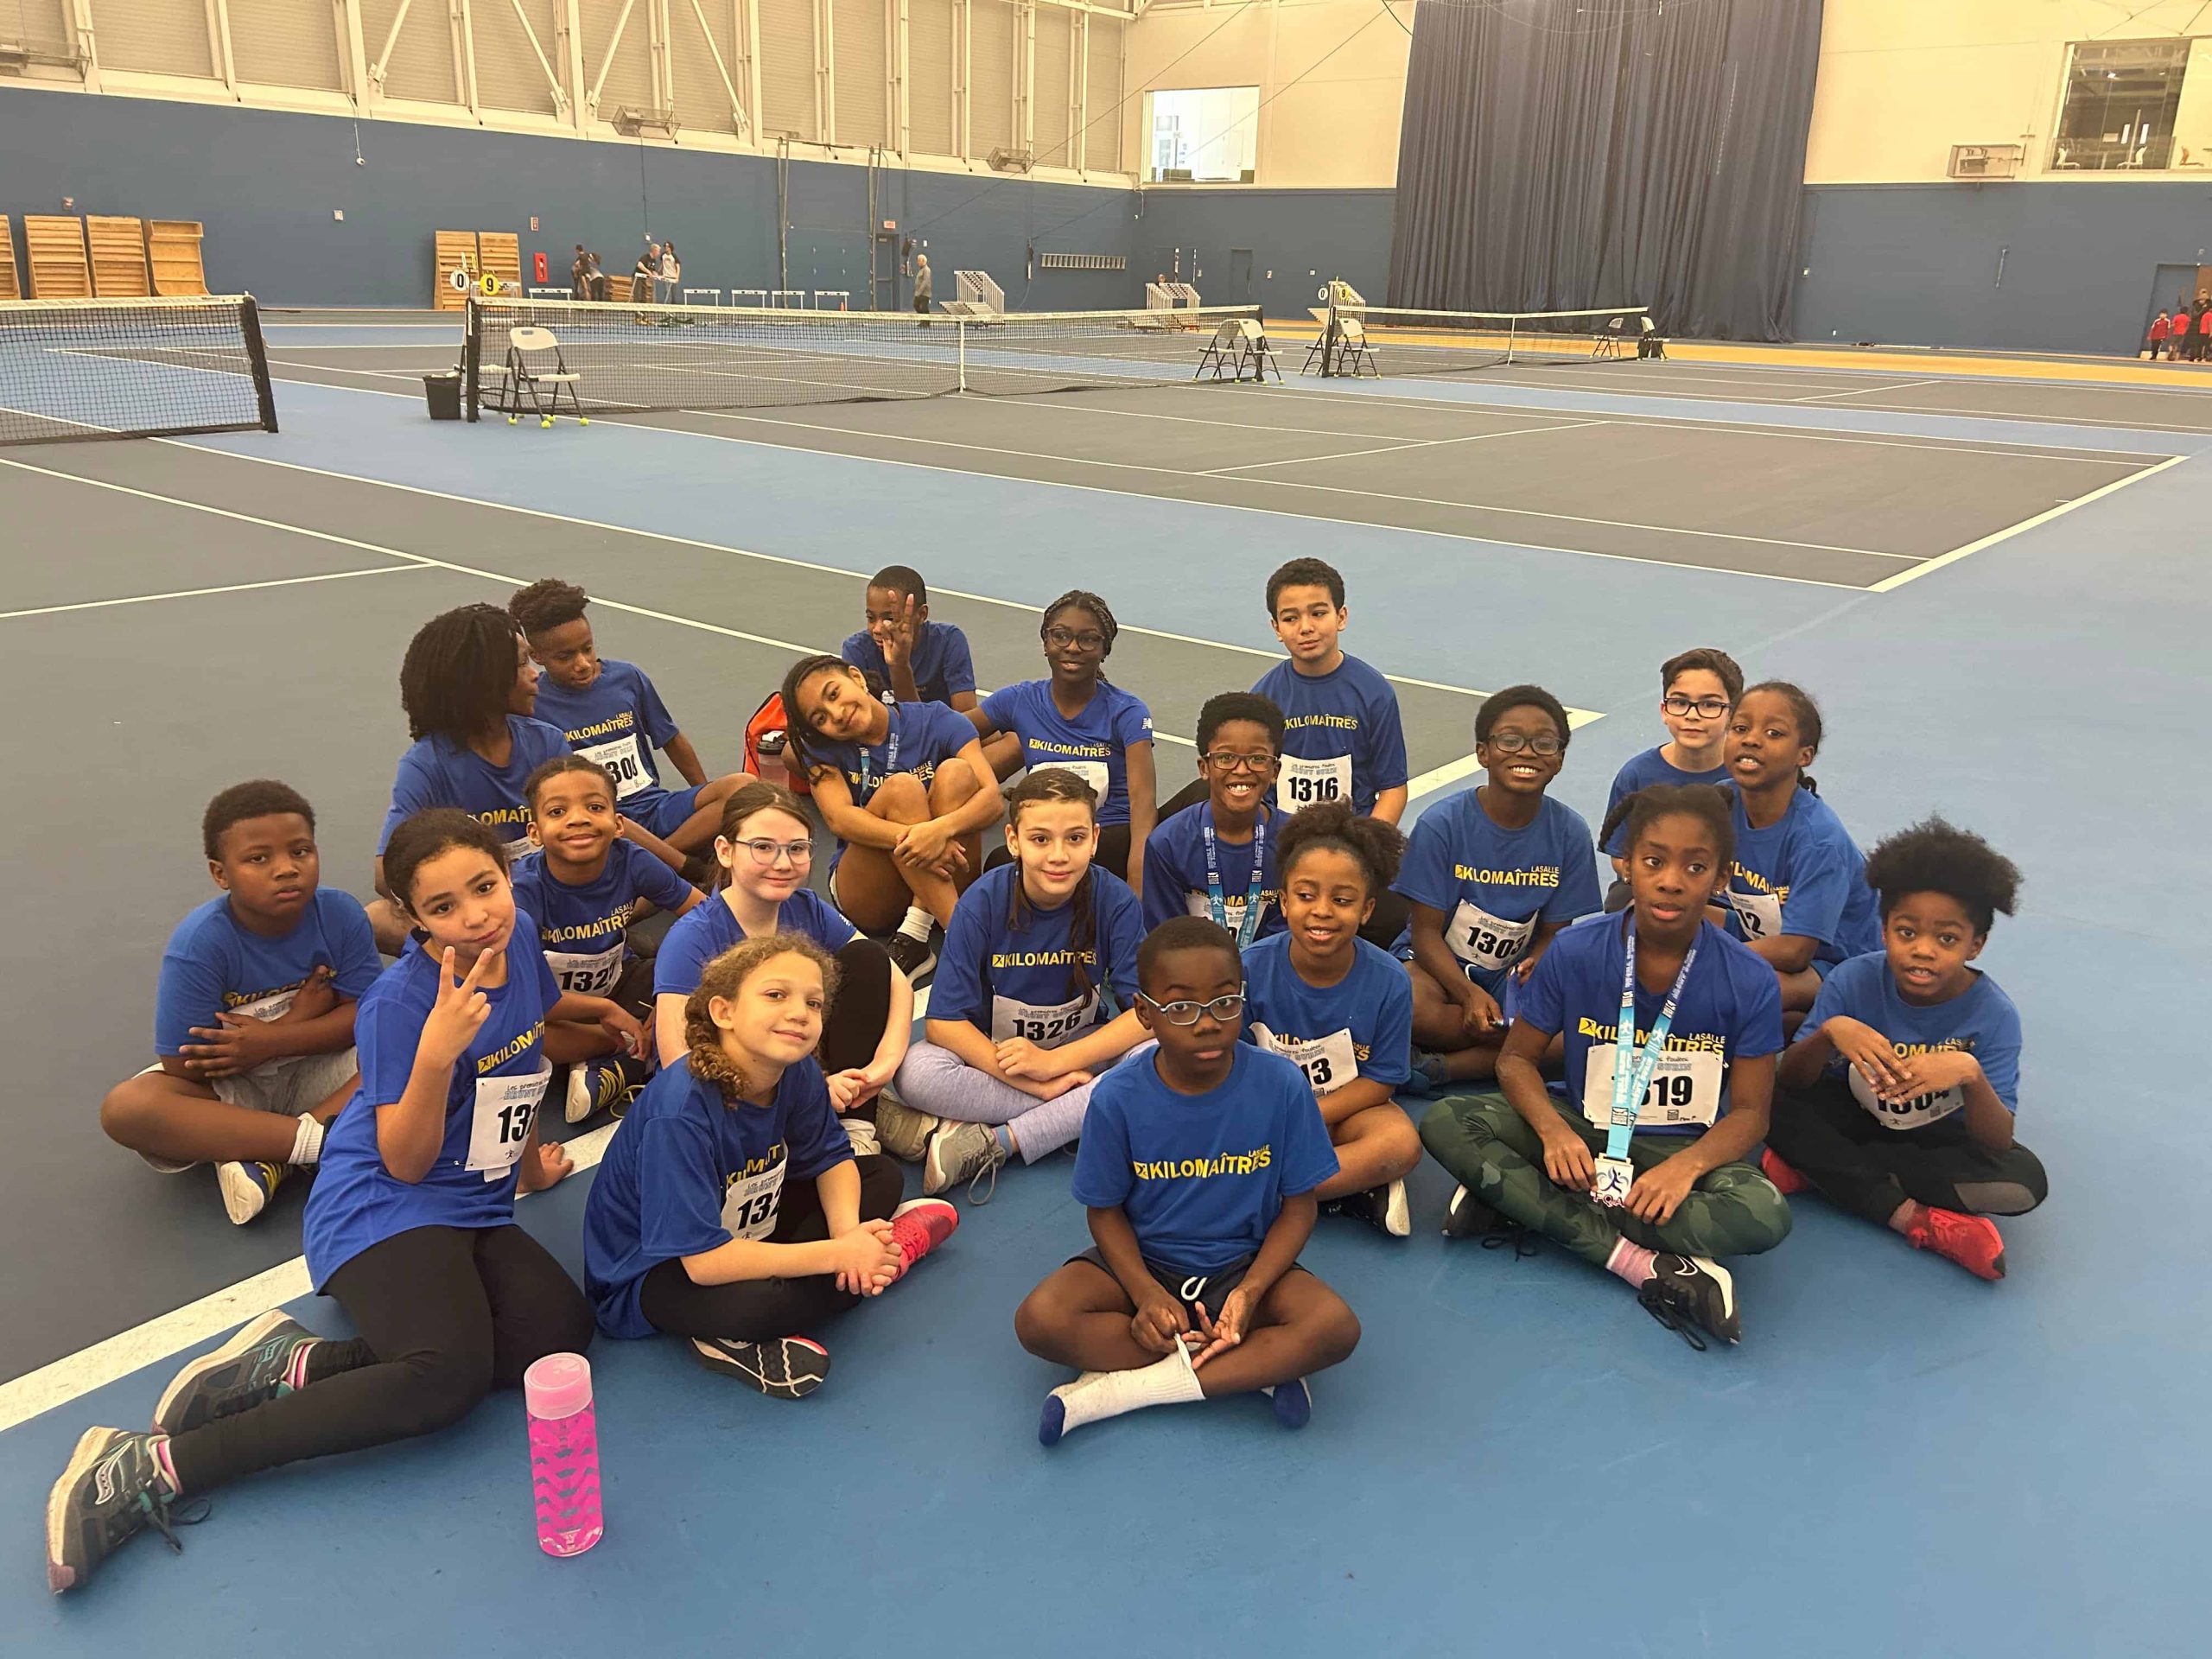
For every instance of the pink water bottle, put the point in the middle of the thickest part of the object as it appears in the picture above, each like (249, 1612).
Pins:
(563, 1453)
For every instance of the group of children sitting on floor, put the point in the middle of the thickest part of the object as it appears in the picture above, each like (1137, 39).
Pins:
(1220, 1001)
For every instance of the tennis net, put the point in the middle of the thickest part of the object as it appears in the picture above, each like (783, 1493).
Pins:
(630, 358)
(74, 369)
(1392, 339)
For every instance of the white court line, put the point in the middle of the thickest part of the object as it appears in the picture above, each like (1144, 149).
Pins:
(1069, 406)
(1890, 584)
(199, 593)
(1392, 449)
(1867, 392)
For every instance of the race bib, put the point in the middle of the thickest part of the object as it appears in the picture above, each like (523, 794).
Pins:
(1685, 1089)
(1487, 941)
(275, 1006)
(1758, 913)
(1917, 1113)
(1047, 1025)
(586, 976)
(505, 1108)
(519, 849)
(1232, 910)
(624, 763)
(1329, 1062)
(1304, 782)
(1092, 772)
(749, 1205)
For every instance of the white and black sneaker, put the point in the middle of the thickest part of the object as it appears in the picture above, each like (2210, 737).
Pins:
(1686, 1293)
(1468, 1216)
(1384, 1208)
(787, 1368)
(914, 955)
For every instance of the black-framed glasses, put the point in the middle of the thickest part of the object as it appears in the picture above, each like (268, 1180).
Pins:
(1704, 708)
(1089, 640)
(1543, 743)
(1222, 760)
(766, 852)
(1189, 1013)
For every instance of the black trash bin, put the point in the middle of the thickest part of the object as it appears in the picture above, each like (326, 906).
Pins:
(442, 393)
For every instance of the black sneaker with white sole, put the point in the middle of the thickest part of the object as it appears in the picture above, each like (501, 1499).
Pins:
(1468, 1216)
(1384, 1208)
(914, 955)
(251, 1370)
(1688, 1293)
(112, 1490)
(786, 1368)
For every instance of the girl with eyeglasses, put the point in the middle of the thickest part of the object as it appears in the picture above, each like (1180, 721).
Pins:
(1078, 719)
(1214, 859)
(766, 851)
(1020, 1022)
(1492, 875)
(1198, 1167)
(1697, 692)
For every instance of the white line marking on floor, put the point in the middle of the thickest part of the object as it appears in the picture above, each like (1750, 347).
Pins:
(1392, 449)
(1890, 584)
(1865, 392)
(1074, 406)
(201, 592)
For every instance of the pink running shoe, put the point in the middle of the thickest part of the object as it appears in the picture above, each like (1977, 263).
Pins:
(1972, 1242)
(919, 1226)
(1788, 1180)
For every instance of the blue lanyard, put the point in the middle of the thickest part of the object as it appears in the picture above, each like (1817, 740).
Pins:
(1632, 1067)
(1253, 902)
(890, 760)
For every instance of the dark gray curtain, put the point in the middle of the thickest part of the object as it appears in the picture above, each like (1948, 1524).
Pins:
(1616, 152)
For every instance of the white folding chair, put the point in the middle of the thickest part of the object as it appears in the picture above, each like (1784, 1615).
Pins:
(524, 378)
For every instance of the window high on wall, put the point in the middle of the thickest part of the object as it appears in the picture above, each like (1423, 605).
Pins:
(1203, 135)
(2122, 98)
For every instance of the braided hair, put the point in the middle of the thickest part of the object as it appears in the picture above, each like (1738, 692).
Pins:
(458, 673)
(1709, 803)
(702, 1038)
(1058, 784)
(1804, 711)
(1079, 599)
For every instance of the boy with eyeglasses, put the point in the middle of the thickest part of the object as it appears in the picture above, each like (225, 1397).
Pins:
(1214, 860)
(1697, 693)
(1198, 1167)
(1492, 874)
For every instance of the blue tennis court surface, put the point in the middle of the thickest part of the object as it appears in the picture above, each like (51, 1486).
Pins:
(1899, 1458)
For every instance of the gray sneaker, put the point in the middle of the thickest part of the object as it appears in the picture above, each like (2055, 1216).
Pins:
(963, 1152)
(904, 1132)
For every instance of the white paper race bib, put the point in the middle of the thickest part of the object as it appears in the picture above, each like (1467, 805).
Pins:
(1304, 782)
(275, 1006)
(505, 1108)
(1485, 940)
(519, 849)
(1047, 1025)
(1232, 910)
(586, 976)
(1917, 1113)
(1329, 1062)
(1092, 772)
(624, 763)
(1759, 913)
(749, 1205)
(1685, 1089)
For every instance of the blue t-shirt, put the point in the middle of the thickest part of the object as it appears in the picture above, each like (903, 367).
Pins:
(618, 720)
(940, 661)
(1803, 875)
(490, 1106)
(1981, 1020)
(1362, 1025)
(1095, 743)
(687, 1171)
(1175, 871)
(1009, 981)
(1730, 1009)
(437, 771)
(1343, 727)
(1642, 772)
(581, 928)
(1202, 1177)
(697, 938)
(213, 966)
(1496, 885)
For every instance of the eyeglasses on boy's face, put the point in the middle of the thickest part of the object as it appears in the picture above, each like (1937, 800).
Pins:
(1222, 1009)
(1704, 708)
(766, 852)
(1543, 743)
(1222, 760)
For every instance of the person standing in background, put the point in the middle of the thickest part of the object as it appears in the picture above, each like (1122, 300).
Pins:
(2189, 325)
(2161, 326)
(595, 279)
(580, 275)
(924, 285)
(671, 272)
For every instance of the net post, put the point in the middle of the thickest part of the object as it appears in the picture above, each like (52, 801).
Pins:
(472, 357)
(264, 389)
(1512, 336)
(1332, 337)
(960, 325)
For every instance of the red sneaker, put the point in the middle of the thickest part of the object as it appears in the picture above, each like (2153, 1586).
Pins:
(1972, 1242)
(919, 1226)
(1788, 1180)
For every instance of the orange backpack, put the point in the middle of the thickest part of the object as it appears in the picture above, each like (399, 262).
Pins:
(765, 742)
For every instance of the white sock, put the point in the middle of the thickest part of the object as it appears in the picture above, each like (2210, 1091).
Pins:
(917, 925)
(1097, 1395)
(306, 1140)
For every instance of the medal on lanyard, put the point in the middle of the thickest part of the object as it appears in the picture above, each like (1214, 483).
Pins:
(1632, 1070)
(1214, 905)
(890, 760)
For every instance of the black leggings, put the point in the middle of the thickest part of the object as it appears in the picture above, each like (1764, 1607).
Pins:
(860, 1009)
(1391, 912)
(446, 1315)
(1858, 1165)
(1113, 852)
(753, 1310)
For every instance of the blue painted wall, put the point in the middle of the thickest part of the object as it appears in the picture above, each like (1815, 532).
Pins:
(266, 182)
(1298, 239)
(1917, 264)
